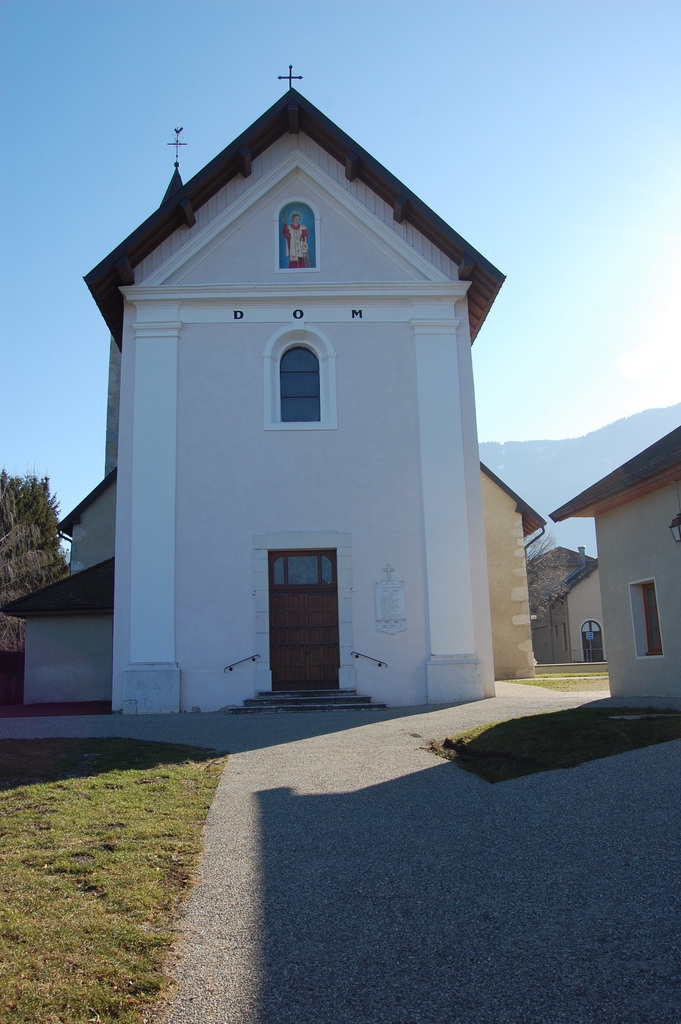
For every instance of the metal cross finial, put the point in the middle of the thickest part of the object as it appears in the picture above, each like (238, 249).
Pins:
(177, 144)
(290, 76)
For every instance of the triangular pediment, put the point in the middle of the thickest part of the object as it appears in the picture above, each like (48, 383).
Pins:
(243, 243)
(294, 122)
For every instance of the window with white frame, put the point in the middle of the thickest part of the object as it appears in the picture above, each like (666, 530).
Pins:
(300, 380)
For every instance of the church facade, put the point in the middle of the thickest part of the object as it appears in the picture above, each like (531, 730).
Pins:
(292, 420)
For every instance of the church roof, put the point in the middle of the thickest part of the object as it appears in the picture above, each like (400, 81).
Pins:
(291, 114)
(68, 522)
(90, 590)
(174, 186)
(655, 467)
(532, 521)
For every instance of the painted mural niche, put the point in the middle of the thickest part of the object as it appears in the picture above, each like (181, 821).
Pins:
(297, 241)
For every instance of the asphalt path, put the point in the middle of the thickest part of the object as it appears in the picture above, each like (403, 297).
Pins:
(352, 877)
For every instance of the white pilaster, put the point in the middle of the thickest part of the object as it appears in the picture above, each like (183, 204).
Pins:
(152, 680)
(454, 670)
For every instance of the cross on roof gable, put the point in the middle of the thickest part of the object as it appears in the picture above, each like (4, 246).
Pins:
(292, 114)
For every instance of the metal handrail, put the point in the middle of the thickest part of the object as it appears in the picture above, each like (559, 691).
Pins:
(358, 654)
(228, 668)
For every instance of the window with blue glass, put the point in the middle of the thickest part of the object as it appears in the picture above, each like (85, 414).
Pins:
(299, 386)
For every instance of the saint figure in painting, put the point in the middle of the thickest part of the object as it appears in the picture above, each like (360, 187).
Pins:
(296, 236)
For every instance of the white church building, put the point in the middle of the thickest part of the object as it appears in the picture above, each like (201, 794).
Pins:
(292, 452)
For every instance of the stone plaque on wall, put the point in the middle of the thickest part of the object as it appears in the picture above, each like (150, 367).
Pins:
(390, 605)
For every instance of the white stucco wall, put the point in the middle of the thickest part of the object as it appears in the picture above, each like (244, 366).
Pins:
(635, 545)
(200, 475)
(68, 658)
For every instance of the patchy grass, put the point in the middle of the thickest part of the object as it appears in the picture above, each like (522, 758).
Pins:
(568, 683)
(99, 839)
(560, 739)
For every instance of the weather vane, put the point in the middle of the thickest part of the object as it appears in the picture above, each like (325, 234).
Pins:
(177, 144)
(290, 77)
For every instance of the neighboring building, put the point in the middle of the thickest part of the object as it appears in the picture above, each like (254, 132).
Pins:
(567, 624)
(292, 416)
(640, 567)
(508, 521)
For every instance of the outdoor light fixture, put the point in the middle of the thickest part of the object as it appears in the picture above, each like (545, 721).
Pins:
(675, 527)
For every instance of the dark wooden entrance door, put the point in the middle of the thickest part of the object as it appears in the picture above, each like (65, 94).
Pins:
(304, 652)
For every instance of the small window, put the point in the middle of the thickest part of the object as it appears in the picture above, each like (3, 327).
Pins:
(653, 639)
(302, 568)
(299, 384)
(646, 619)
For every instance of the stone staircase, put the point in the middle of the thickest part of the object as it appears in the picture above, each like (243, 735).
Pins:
(269, 702)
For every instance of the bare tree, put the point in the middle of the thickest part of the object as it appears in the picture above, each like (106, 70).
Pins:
(548, 567)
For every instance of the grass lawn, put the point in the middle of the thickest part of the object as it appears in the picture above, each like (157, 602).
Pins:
(560, 739)
(568, 683)
(99, 839)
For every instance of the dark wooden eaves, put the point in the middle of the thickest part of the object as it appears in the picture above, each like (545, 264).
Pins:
(291, 113)
(655, 467)
(532, 521)
(68, 522)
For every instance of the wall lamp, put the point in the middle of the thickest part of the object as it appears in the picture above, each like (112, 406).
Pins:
(675, 527)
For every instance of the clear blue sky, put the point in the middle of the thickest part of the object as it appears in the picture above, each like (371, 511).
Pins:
(547, 133)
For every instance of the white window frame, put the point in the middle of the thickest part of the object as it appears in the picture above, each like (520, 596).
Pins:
(318, 343)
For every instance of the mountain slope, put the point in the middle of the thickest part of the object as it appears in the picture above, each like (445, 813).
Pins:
(548, 473)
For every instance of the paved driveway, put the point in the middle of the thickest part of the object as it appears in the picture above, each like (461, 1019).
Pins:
(350, 876)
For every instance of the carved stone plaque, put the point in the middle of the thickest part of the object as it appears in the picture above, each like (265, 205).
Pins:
(390, 606)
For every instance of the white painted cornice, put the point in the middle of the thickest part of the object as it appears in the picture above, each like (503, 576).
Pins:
(138, 295)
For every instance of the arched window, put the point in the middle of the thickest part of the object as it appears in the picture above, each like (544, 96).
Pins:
(592, 641)
(299, 386)
(300, 380)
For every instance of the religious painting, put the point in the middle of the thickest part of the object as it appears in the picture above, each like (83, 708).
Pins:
(297, 241)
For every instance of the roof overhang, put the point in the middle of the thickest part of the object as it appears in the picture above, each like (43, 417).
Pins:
(291, 114)
(655, 467)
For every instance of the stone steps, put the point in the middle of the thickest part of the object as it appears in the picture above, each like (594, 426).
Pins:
(283, 702)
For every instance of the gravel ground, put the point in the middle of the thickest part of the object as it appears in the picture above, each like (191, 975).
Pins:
(352, 877)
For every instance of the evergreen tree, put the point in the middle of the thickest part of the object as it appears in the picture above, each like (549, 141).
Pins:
(30, 553)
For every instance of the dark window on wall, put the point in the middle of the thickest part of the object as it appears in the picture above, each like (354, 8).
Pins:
(592, 641)
(299, 386)
(653, 637)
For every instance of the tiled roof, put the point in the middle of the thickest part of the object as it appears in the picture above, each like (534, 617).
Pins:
(291, 114)
(91, 590)
(532, 521)
(651, 469)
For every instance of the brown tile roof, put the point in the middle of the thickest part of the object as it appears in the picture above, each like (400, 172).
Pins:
(292, 113)
(651, 469)
(88, 591)
(532, 521)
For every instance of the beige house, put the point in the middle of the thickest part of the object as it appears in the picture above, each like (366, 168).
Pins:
(638, 527)
(508, 521)
(569, 627)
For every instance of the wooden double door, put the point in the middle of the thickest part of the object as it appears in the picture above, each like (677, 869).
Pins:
(303, 590)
